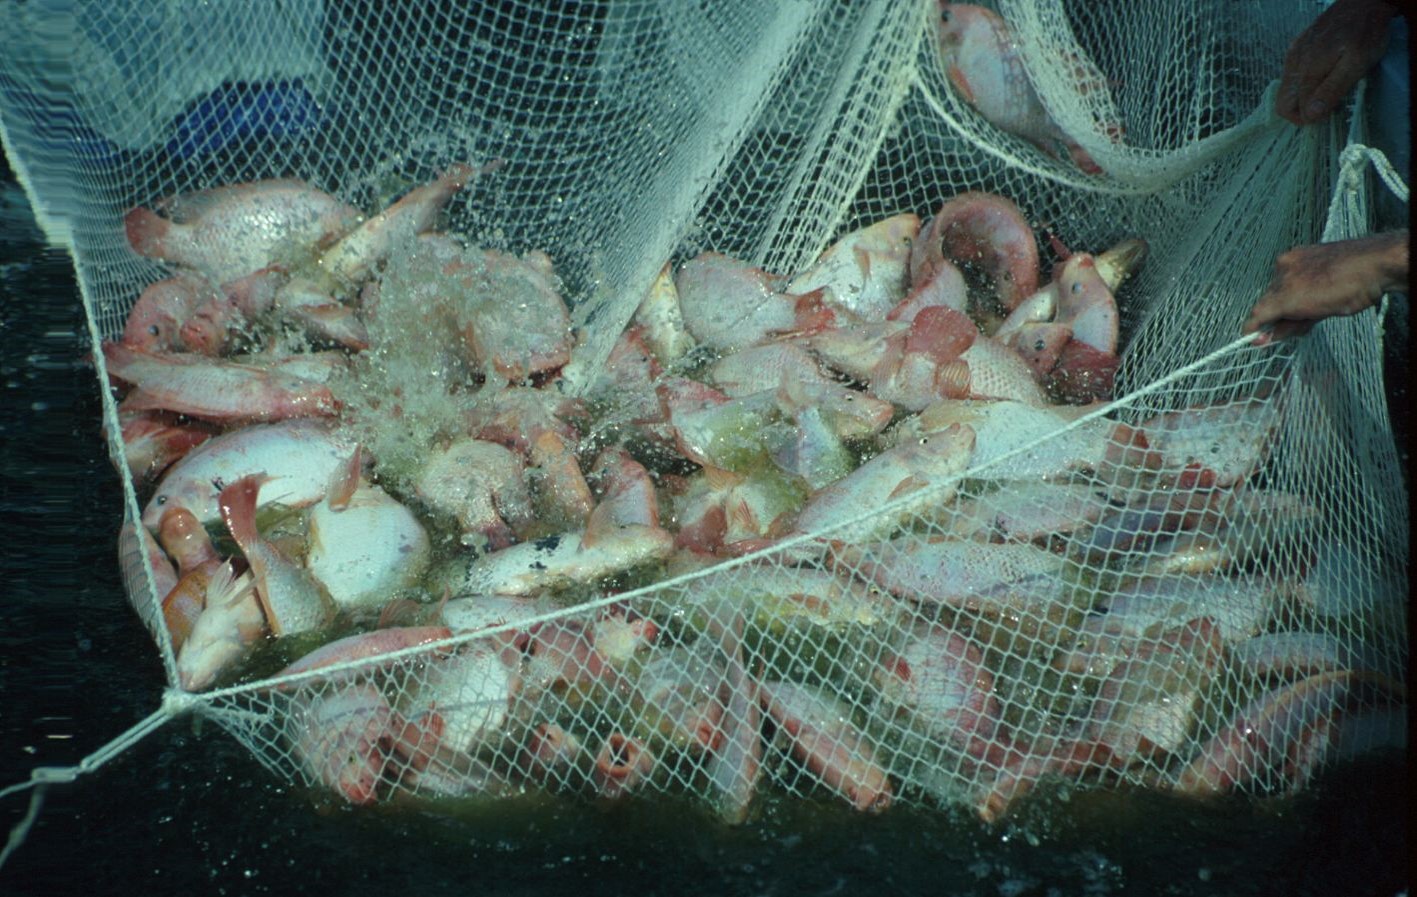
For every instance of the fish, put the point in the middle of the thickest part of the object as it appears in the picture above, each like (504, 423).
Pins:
(662, 321)
(464, 696)
(626, 490)
(366, 550)
(293, 600)
(345, 264)
(735, 764)
(186, 542)
(365, 645)
(564, 560)
(984, 231)
(1004, 430)
(1148, 703)
(480, 484)
(676, 697)
(155, 440)
(299, 457)
(341, 739)
(1026, 511)
(1213, 446)
(622, 765)
(865, 272)
(1281, 738)
(942, 571)
(154, 324)
(937, 680)
(217, 391)
(728, 305)
(926, 470)
(982, 62)
(228, 232)
(824, 739)
(230, 624)
(510, 312)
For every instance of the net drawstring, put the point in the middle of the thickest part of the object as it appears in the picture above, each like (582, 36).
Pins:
(174, 704)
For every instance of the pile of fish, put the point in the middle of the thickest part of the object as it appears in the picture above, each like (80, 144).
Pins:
(361, 435)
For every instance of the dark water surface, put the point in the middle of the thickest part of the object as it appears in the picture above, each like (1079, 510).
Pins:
(193, 813)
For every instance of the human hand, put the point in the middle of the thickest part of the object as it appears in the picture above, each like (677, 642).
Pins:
(1311, 283)
(1331, 56)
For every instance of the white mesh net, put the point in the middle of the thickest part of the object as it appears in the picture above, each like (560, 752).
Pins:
(647, 498)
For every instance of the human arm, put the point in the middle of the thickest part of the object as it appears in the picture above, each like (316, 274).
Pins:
(1311, 283)
(1331, 56)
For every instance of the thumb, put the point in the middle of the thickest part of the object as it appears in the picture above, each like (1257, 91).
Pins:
(1324, 98)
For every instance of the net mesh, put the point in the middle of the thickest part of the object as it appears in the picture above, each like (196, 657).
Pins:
(984, 596)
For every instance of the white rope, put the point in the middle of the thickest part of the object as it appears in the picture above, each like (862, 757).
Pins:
(174, 703)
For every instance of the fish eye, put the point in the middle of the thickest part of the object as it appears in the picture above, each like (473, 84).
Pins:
(944, 15)
(1076, 287)
(217, 484)
(161, 499)
(154, 330)
(924, 440)
(1038, 346)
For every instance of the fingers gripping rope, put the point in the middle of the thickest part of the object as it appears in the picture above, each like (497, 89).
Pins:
(174, 704)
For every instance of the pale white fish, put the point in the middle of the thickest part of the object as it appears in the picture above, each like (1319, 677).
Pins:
(566, 559)
(944, 571)
(367, 550)
(665, 333)
(464, 697)
(230, 624)
(1026, 510)
(297, 456)
(293, 600)
(921, 469)
(865, 272)
(480, 484)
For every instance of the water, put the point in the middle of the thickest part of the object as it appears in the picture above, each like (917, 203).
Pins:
(192, 812)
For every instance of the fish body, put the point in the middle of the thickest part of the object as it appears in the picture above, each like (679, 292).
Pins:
(366, 550)
(938, 681)
(215, 391)
(828, 744)
(155, 322)
(299, 457)
(228, 232)
(945, 571)
(340, 739)
(983, 65)
(511, 313)
(865, 272)
(1215, 445)
(465, 696)
(728, 305)
(985, 232)
(662, 321)
(911, 469)
(294, 602)
(154, 440)
(480, 484)
(231, 622)
(566, 559)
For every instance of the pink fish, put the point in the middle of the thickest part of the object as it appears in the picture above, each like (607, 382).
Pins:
(627, 496)
(622, 765)
(216, 391)
(155, 322)
(342, 739)
(229, 232)
(1216, 445)
(155, 440)
(481, 485)
(728, 305)
(985, 232)
(1280, 739)
(825, 741)
(983, 64)
(677, 696)
(938, 680)
(350, 260)
(735, 765)
(226, 318)
(294, 602)
(369, 644)
(511, 313)
(231, 622)
(936, 460)
(945, 571)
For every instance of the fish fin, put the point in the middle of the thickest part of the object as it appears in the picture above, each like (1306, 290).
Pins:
(147, 231)
(1081, 159)
(720, 480)
(908, 485)
(345, 482)
(956, 76)
(237, 503)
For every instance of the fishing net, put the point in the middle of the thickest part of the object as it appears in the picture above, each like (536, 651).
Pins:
(1198, 585)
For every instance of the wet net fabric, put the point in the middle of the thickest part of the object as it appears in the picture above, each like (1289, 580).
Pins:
(1218, 605)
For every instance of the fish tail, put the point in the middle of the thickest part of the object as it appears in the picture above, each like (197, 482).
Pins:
(238, 509)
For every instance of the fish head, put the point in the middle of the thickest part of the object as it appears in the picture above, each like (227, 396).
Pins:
(962, 23)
